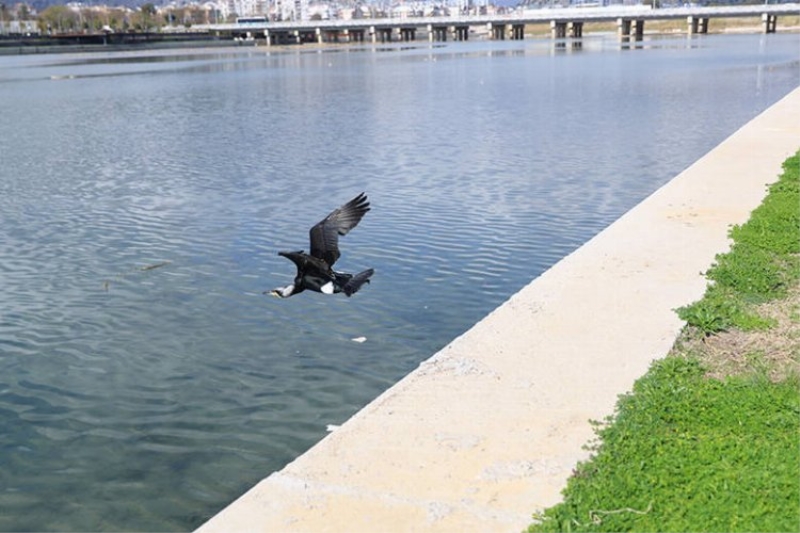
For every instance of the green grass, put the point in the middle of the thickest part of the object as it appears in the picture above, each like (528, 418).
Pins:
(686, 453)
(683, 452)
(763, 262)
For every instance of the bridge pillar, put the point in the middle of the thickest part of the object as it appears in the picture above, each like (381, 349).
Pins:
(437, 33)
(497, 31)
(558, 29)
(518, 32)
(697, 24)
(267, 37)
(576, 29)
(380, 34)
(638, 26)
(628, 26)
(460, 33)
(624, 27)
(407, 34)
(770, 22)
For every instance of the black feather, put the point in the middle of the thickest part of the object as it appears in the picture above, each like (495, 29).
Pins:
(324, 236)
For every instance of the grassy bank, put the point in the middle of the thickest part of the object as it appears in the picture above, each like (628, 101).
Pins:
(708, 439)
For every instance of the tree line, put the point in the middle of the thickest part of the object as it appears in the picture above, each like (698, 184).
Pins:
(61, 19)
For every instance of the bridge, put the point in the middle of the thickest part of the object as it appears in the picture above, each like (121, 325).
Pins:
(564, 22)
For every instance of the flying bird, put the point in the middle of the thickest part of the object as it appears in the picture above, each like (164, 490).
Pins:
(315, 270)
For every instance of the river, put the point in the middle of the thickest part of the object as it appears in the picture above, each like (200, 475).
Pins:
(145, 379)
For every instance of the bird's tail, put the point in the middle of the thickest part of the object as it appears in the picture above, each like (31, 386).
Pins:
(355, 283)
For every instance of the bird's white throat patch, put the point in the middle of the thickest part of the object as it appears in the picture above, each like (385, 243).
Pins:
(285, 292)
(327, 288)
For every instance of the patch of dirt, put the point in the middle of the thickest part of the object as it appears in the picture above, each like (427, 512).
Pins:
(774, 352)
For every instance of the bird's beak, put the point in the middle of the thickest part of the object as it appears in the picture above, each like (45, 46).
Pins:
(274, 293)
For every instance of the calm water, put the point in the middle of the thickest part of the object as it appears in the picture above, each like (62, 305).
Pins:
(134, 399)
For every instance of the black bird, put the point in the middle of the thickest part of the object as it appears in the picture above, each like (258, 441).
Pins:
(315, 270)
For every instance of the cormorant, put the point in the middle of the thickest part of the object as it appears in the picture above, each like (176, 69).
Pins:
(315, 270)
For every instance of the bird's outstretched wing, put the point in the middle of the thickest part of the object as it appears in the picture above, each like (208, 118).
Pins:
(298, 258)
(325, 235)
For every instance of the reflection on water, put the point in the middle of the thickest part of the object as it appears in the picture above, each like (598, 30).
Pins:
(136, 398)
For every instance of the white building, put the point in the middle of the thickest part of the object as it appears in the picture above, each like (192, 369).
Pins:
(292, 9)
(244, 8)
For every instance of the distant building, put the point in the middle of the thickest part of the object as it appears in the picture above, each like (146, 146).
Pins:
(250, 7)
(292, 10)
(18, 27)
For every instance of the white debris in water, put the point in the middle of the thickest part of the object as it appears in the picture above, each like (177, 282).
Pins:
(331, 428)
(359, 339)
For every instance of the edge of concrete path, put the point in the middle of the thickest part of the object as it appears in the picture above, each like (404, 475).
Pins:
(488, 430)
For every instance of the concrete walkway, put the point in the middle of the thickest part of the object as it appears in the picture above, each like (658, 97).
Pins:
(488, 430)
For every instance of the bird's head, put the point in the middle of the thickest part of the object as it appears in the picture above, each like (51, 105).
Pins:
(282, 292)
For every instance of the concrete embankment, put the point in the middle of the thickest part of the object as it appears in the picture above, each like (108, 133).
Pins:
(487, 430)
